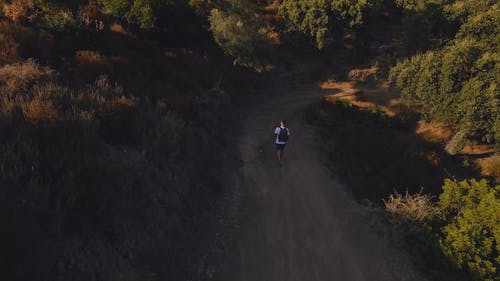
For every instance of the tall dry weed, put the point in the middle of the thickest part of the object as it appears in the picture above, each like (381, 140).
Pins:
(411, 207)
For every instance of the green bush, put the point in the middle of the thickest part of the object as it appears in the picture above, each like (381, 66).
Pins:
(320, 20)
(471, 236)
(245, 39)
(457, 85)
(460, 235)
(143, 13)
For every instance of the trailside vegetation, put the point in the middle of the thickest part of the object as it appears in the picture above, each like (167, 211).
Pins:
(112, 110)
(457, 84)
(322, 21)
(111, 140)
(242, 35)
(461, 230)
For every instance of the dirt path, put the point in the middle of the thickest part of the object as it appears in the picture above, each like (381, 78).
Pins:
(296, 222)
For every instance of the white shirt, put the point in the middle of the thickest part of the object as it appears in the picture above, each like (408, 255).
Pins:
(277, 132)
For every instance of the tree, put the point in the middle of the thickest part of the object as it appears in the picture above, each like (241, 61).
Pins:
(320, 19)
(457, 84)
(144, 13)
(241, 36)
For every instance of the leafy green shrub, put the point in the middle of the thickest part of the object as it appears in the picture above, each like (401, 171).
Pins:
(140, 12)
(471, 237)
(243, 39)
(461, 231)
(319, 20)
(59, 20)
(461, 10)
(457, 85)
(425, 26)
(482, 27)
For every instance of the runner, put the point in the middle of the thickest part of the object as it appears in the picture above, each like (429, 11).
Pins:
(281, 133)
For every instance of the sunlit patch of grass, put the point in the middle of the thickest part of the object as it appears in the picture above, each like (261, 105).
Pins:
(92, 63)
(19, 77)
(41, 112)
(490, 166)
(411, 207)
(435, 133)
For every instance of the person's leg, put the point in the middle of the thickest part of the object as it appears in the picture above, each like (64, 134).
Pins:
(279, 151)
(282, 151)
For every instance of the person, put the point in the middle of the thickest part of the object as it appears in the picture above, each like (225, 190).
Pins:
(281, 134)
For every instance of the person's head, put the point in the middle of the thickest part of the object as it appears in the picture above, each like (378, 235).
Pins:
(282, 123)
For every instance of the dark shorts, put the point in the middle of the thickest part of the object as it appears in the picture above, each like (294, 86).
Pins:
(280, 146)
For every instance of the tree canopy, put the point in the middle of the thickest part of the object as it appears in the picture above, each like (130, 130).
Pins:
(457, 84)
(319, 19)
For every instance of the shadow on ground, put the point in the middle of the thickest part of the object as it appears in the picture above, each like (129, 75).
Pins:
(375, 154)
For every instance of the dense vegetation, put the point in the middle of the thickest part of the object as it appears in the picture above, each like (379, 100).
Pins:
(455, 237)
(456, 84)
(113, 116)
(322, 20)
(111, 141)
(460, 231)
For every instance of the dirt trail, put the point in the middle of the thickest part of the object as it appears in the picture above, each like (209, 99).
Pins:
(296, 222)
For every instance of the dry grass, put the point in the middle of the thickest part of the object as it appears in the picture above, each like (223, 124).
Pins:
(89, 57)
(362, 75)
(41, 112)
(490, 166)
(19, 77)
(91, 16)
(118, 28)
(410, 207)
(8, 50)
(92, 64)
(21, 11)
(435, 133)
(18, 41)
(365, 95)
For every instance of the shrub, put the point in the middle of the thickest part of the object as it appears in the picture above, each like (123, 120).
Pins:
(457, 84)
(23, 42)
(20, 77)
(59, 20)
(471, 235)
(21, 11)
(319, 20)
(462, 229)
(411, 207)
(140, 12)
(40, 112)
(243, 39)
